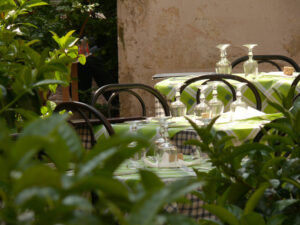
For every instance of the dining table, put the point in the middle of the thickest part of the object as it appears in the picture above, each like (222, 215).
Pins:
(179, 131)
(267, 83)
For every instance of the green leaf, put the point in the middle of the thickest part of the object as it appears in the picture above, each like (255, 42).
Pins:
(47, 82)
(82, 59)
(255, 197)
(222, 213)
(145, 210)
(29, 193)
(150, 180)
(43, 127)
(177, 219)
(37, 176)
(34, 3)
(291, 181)
(79, 202)
(252, 218)
(282, 204)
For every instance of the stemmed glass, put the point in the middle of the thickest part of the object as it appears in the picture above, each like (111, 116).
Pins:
(238, 108)
(251, 65)
(223, 66)
(178, 108)
(202, 110)
(134, 161)
(216, 106)
(166, 151)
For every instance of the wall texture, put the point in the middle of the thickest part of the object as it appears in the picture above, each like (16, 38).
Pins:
(160, 36)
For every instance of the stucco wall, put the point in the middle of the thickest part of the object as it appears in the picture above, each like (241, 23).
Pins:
(158, 36)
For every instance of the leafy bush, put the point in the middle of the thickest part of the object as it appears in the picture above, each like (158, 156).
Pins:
(47, 178)
(26, 75)
(255, 183)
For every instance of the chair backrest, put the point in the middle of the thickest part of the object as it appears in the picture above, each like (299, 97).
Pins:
(268, 59)
(115, 89)
(295, 84)
(83, 118)
(223, 78)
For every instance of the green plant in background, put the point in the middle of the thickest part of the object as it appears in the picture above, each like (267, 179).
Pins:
(26, 75)
(255, 183)
(94, 19)
(47, 177)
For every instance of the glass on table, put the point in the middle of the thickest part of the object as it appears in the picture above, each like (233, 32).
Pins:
(178, 108)
(216, 106)
(251, 65)
(134, 162)
(238, 108)
(166, 151)
(223, 66)
(202, 110)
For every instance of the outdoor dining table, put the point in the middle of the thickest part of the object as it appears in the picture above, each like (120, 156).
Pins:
(179, 132)
(266, 84)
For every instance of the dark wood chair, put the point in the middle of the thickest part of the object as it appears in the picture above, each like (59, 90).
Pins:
(295, 84)
(83, 118)
(270, 59)
(223, 78)
(116, 89)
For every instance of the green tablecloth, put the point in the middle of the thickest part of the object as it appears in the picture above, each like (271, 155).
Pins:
(126, 172)
(265, 83)
(242, 130)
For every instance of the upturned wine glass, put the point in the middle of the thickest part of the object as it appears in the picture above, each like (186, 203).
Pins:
(216, 106)
(251, 65)
(238, 108)
(178, 108)
(223, 66)
(202, 110)
(166, 151)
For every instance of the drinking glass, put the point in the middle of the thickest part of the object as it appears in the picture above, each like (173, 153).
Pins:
(216, 106)
(238, 108)
(134, 161)
(178, 108)
(251, 65)
(202, 110)
(223, 66)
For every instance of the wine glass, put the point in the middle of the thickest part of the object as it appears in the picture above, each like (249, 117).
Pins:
(238, 108)
(223, 66)
(134, 161)
(216, 106)
(251, 65)
(166, 151)
(178, 108)
(202, 110)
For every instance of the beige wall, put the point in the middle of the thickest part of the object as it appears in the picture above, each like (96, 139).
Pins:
(159, 36)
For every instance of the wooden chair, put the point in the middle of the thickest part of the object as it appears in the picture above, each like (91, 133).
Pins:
(116, 89)
(295, 84)
(268, 59)
(223, 78)
(83, 118)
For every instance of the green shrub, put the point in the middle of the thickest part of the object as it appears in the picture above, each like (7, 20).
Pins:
(254, 183)
(25, 74)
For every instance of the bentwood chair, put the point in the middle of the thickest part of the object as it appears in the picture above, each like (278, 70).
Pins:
(83, 118)
(223, 78)
(295, 84)
(270, 59)
(132, 89)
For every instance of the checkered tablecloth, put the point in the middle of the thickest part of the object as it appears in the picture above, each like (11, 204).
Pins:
(265, 83)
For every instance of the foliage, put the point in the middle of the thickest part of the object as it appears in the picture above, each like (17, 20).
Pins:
(26, 75)
(95, 19)
(47, 178)
(254, 183)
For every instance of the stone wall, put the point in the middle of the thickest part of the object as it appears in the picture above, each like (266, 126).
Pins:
(160, 36)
